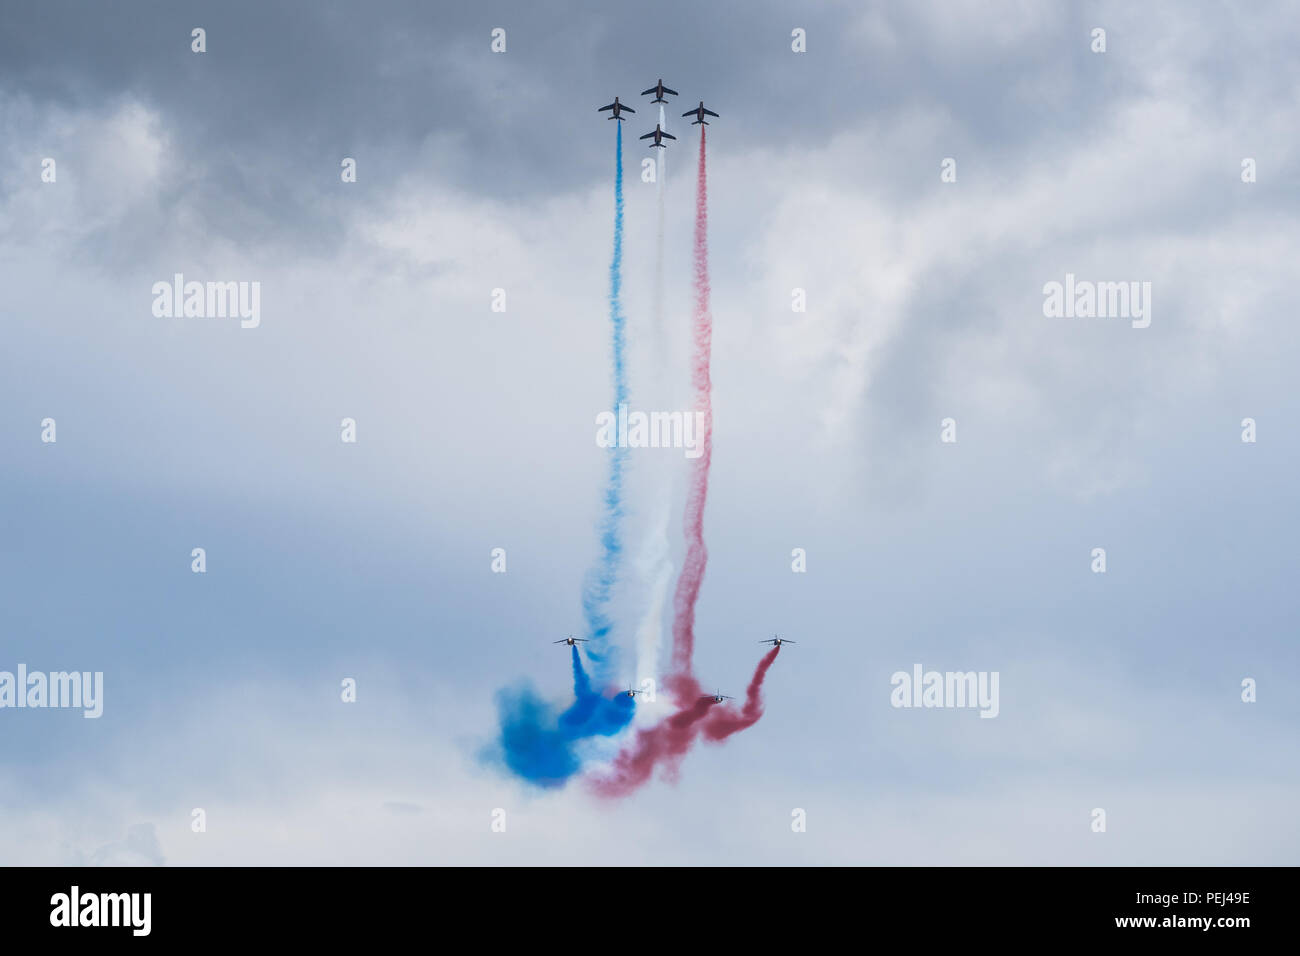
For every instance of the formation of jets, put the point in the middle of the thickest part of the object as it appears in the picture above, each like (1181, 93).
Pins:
(617, 109)
(775, 640)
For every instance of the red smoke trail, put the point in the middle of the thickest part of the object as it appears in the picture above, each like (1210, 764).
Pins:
(681, 680)
(666, 743)
(724, 721)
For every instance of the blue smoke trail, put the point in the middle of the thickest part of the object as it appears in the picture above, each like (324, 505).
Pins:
(600, 579)
(538, 741)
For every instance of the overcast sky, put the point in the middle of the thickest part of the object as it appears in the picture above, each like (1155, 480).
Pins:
(479, 170)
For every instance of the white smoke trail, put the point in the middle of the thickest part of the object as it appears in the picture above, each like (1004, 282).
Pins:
(654, 568)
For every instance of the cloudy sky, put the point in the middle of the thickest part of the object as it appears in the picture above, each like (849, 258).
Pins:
(479, 170)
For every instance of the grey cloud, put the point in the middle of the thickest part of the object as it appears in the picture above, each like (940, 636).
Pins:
(140, 847)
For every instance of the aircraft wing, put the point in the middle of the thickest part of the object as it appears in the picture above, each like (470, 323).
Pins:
(669, 136)
(673, 92)
(603, 108)
(626, 109)
(560, 641)
(647, 135)
(690, 112)
(647, 92)
(710, 113)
